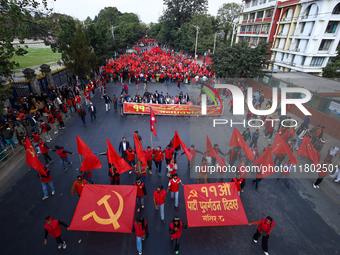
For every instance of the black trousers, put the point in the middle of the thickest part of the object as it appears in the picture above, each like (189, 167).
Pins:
(46, 157)
(264, 240)
(256, 181)
(59, 240)
(243, 184)
(93, 115)
(279, 160)
(150, 165)
(176, 244)
(319, 180)
(115, 182)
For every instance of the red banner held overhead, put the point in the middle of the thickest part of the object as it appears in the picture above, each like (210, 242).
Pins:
(90, 159)
(171, 109)
(105, 208)
(215, 204)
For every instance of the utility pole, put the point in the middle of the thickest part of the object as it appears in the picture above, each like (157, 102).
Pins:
(113, 31)
(198, 29)
(214, 42)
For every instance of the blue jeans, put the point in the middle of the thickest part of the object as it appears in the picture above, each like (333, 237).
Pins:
(10, 141)
(299, 141)
(158, 165)
(162, 210)
(62, 161)
(37, 146)
(71, 109)
(143, 179)
(45, 190)
(83, 119)
(66, 115)
(139, 242)
(47, 135)
(175, 194)
(3, 145)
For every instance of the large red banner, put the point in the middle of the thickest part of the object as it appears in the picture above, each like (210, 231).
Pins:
(105, 208)
(215, 204)
(171, 109)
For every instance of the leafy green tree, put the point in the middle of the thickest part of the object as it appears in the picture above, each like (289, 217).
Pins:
(241, 60)
(110, 14)
(332, 68)
(226, 15)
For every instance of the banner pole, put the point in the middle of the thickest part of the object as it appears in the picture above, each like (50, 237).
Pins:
(151, 139)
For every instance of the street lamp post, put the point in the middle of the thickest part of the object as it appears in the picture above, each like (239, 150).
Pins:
(113, 31)
(232, 38)
(214, 42)
(197, 29)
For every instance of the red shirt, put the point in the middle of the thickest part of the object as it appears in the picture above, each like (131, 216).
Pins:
(159, 156)
(174, 185)
(159, 197)
(130, 155)
(148, 155)
(140, 168)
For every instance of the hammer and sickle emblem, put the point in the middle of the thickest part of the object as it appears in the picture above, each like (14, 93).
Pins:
(113, 219)
(193, 193)
(31, 150)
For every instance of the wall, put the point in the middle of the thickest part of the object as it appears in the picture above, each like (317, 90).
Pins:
(317, 118)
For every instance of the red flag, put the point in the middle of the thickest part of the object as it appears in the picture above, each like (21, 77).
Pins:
(306, 149)
(105, 208)
(265, 160)
(177, 140)
(113, 158)
(213, 154)
(280, 146)
(90, 160)
(32, 158)
(186, 151)
(292, 132)
(139, 150)
(237, 140)
(152, 122)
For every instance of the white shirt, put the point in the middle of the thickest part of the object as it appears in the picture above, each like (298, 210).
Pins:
(124, 146)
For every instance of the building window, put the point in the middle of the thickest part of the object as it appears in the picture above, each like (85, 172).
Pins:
(293, 58)
(307, 11)
(249, 28)
(317, 61)
(269, 13)
(260, 15)
(247, 39)
(254, 40)
(303, 60)
(245, 17)
(265, 28)
(263, 39)
(302, 27)
(282, 56)
(336, 9)
(329, 61)
(241, 38)
(257, 28)
(243, 28)
(248, 4)
(252, 15)
(262, 1)
(325, 44)
(275, 55)
(331, 27)
(254, 2)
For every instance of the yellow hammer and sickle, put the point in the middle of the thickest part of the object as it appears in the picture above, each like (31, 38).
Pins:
(31, 151)
(113, 217)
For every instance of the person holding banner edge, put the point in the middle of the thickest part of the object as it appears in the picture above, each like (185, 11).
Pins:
(264, 229)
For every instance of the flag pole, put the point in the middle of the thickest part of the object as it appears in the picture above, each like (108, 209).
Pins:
(151, 139)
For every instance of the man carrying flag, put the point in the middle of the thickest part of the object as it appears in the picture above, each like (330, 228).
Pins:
(152, 122)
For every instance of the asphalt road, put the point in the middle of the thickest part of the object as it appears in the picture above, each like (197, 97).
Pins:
(306, 220)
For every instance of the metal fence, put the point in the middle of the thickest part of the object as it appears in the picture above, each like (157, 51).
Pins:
(60, 77)
(19, 89)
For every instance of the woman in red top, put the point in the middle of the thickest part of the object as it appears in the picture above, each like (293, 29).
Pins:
(53, 228)
(130, 157)
(264, 229)
(175, 230)
(141, 228)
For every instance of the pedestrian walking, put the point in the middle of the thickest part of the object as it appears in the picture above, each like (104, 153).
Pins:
(121, 107)
(322, 173)
(44, 130)
(82, 114)
(92, 110)
(203, 171)
(36, 138)
(193, 153)
(158, 158)
(87, 175)
(78, 185)
(141, 228)
(286, 171)
(159, 200)
(141, 193)
(148, 156)
(53, 228)
(114, 175)
(264, 229)
(60, 119)
(173, 186)
(130, 156)
(51, 121)
(46, 180)
(238, 182)
(115, 101)
(254, 138)
(123, 146)
(107, 102)
(172, 168)
(63, 156)
(175, 230)
(44, 151)
(140, 171)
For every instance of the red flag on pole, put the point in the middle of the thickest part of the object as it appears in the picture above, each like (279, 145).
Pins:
(152, 122)
(90, 160)
(139, 150)
(213, 154)
(186, 151)
(265, 160)
(237, 140)
(280, 146)
(113, 158)
(177, 140)
(32, 158)
(306, 149)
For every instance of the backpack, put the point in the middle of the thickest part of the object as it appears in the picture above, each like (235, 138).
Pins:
(48, 127)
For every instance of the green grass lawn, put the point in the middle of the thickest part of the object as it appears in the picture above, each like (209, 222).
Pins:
(36, 56)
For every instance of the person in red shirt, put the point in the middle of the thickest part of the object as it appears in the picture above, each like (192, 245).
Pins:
(44, 150)
(172, 168)
(36, 138)
(78, 185)
(141, 228)
(175, 230)
(114, 175)
(53, 228)
(193, 153)
(130, 155)
(46, 180)
(60, 119)
(51, 121)
(168, 154)
(63, 156)
(140, 171)
(173, 186)
(231, 103)
(238, 182)
(203, 171)
(159, 199)
(141, 193)
(148, 155)
(264, 229)
(159, 158)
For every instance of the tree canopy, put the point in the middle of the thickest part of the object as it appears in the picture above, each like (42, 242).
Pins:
(332, 68)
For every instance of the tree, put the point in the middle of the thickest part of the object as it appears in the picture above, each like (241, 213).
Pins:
(241, 60)
(332, 68)
(226, 15)
(110, 14)
(78, 56)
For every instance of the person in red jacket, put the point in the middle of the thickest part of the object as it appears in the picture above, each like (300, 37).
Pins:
(53, 228)
(36, 138)
(158, 158)
(44, 150)
(238, 182)
(175, 230)
(322, 174)
(203, 171)
(168, 151)
(141, 193)
(193, 153)
(78, 185)
(140, 171)
(46, 180)
(130, 155)
(51, 121)
(159, 200)
(114, 175)
(264, 229)
(141, 228)
(60, 119)
(44, 130)
(63, 156)
(173, 186)
(148, 155)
